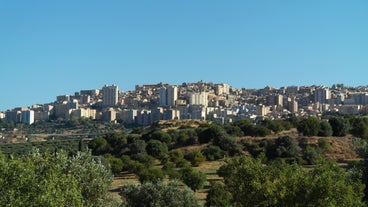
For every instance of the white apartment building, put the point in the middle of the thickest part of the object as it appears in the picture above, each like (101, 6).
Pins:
(321, 95)
(110, 95)
(198, 99)
(28, 117)
(168, 96)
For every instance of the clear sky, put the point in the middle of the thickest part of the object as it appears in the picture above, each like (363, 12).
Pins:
(50, 48)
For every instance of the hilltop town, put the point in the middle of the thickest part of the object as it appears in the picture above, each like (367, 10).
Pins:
(201, 100)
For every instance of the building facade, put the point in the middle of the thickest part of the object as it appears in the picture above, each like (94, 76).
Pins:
(110, 95)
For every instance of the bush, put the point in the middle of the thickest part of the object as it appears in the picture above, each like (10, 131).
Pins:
(234, 130)
(99, 146)
(151, 175)
(274, 126)
(116, 164)
(324, 145)
(309, 126)
(159, 193)
(192, 178)
(144, 158)
(312, 155)
(218, 196)
(213, 152)
(138, 146)
(158, 134)
(340, 126)
(261, 131)
(187, 137)
(325, 129)
(176, 155)
(156, 148)
(195, 157)
(44, 179)
(228, 144)
(132, 165)
(211, 133)
(169, 169)
(285, 147)
(251, 183)
(258, 148)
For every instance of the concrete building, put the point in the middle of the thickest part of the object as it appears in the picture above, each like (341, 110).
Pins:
(292, 90)
(198, 99)
(64, 109)
(28, 117)
(322, 95)
(275, 100)
(41, 115)
(110, 95)
(184, 111)
(85, 99)
(293, 106)
(262, 110)
(168, 96)
(13, 116)
(171, 114)
(172, 95)
(157, 114)
(222, 89)
(84, 113)
(144, 118)
(128, 116)
(92, 93)
(109, 115)
(163, 97)
(63, 98)
(2, 115)
(350, 109)
(361, 99)
(197, 112)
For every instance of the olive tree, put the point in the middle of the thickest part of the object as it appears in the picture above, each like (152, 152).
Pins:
(160, 193)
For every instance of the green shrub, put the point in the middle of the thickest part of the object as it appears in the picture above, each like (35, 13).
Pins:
(159, 193)
(213, 152)
(195, 157)
(192, 178)
(156, 148)
(152, 174)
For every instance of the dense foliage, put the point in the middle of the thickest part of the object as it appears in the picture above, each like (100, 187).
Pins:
(155, 194)
(273, 177)
(45, 179)
(70, 145)
(280, 184)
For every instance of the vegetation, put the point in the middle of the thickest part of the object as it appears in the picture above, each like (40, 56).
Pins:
(280, 184)
(152, 194)
(45, 179)
(264, 164)
(70, 145)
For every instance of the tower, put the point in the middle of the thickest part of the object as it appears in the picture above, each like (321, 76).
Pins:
(110, 95)
(171, 95)
(321, 95)
(168, 96)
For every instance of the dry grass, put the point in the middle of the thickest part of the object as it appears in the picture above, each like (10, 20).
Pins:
(341, 151)
(123, 179)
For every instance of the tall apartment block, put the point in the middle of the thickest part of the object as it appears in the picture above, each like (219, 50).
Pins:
(198, 99)
(168, 96)
(321, 95)
(110, 95)
(28, 117)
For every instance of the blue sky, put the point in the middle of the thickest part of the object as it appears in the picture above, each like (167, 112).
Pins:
(50, 48)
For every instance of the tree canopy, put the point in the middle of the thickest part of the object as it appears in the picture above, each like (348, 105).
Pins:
(280, 184)
(160, 193)
(45, 179)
